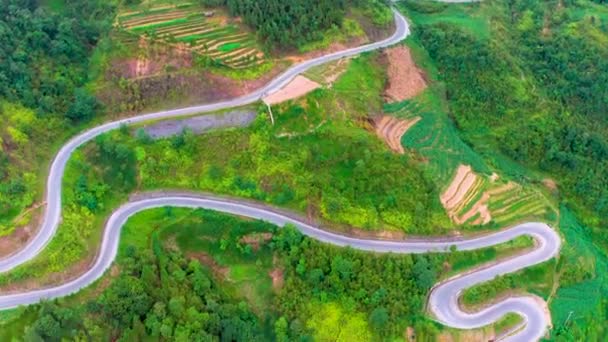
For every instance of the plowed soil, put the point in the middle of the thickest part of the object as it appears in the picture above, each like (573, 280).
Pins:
(391, 130)
(405, 80)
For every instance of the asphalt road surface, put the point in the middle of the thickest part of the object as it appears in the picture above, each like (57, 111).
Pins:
(443, 300)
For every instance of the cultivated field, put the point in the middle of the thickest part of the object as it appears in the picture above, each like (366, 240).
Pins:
(202, 32)
(391, 130)
(477, 200)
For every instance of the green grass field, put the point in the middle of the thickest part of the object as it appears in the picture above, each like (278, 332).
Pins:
(472, 17)
(217, 236)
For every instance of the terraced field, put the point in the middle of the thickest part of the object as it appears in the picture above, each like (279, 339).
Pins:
(189, 26)
(434, 137)
(391, 130)
(474, 199)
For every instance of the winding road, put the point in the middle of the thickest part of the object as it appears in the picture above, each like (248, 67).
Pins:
(443, 300)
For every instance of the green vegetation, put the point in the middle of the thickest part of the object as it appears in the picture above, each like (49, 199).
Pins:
(348, 30)
(489, 98)
(496, 78)
(472, 17)
(186, 272)
(549, 71)
(289, 23)
(43, 96)
(537, 280)
(579, 306)
(213, 41)
(339, 173)
(38, 44)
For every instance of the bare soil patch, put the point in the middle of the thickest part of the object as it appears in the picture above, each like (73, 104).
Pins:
(550, 184)
(391, 130)
(255, 240)
(278, 278)
(208, 261)
(405, 80)
(463, 189)
(461, 184)
(298, 87)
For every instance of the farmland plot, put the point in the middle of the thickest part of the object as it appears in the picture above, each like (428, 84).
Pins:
(189, 26)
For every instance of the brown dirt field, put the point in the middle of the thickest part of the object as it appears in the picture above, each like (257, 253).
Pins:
(166, 90)
(453, 198)
(550, 184)
(298, 87)
(409, 334)
(278, 278)
(391, 130)
(198, 29)
(450, 192)
(462, 189)
(405, 80)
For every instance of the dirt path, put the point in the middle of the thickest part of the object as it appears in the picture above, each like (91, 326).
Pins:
(298, 87)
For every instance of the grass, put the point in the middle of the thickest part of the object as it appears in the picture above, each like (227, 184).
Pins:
(461, 261)
(350, 29)
(229, 47)
(508, 322)
(584, 282)
(12, 323)
(435, 138)
(216, 235)
(151, 27)
(538, 280)
(472, 17)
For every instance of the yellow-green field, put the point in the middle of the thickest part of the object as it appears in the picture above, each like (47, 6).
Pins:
(204, 32)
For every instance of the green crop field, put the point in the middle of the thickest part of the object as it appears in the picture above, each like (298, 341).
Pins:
(207, 36)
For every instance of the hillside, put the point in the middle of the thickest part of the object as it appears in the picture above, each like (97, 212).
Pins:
(489, 117)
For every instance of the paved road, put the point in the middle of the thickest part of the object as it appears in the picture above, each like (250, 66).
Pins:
(52, 214)
(443, 300)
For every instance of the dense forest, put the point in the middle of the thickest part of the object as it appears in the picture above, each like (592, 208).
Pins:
(561, 99)
(44, 54)
(159, 295)
(162, 295)
(44, 60)
(294, 22)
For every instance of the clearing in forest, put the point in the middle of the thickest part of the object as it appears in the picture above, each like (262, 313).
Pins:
(478, 200)
(405, 80)
(188, 26)
(391, 130)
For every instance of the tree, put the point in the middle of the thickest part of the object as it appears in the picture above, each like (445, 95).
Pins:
(83, 107)
(379, 319)
(425, 276)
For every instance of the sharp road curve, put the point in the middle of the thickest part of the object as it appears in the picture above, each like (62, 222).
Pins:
(443, 300)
